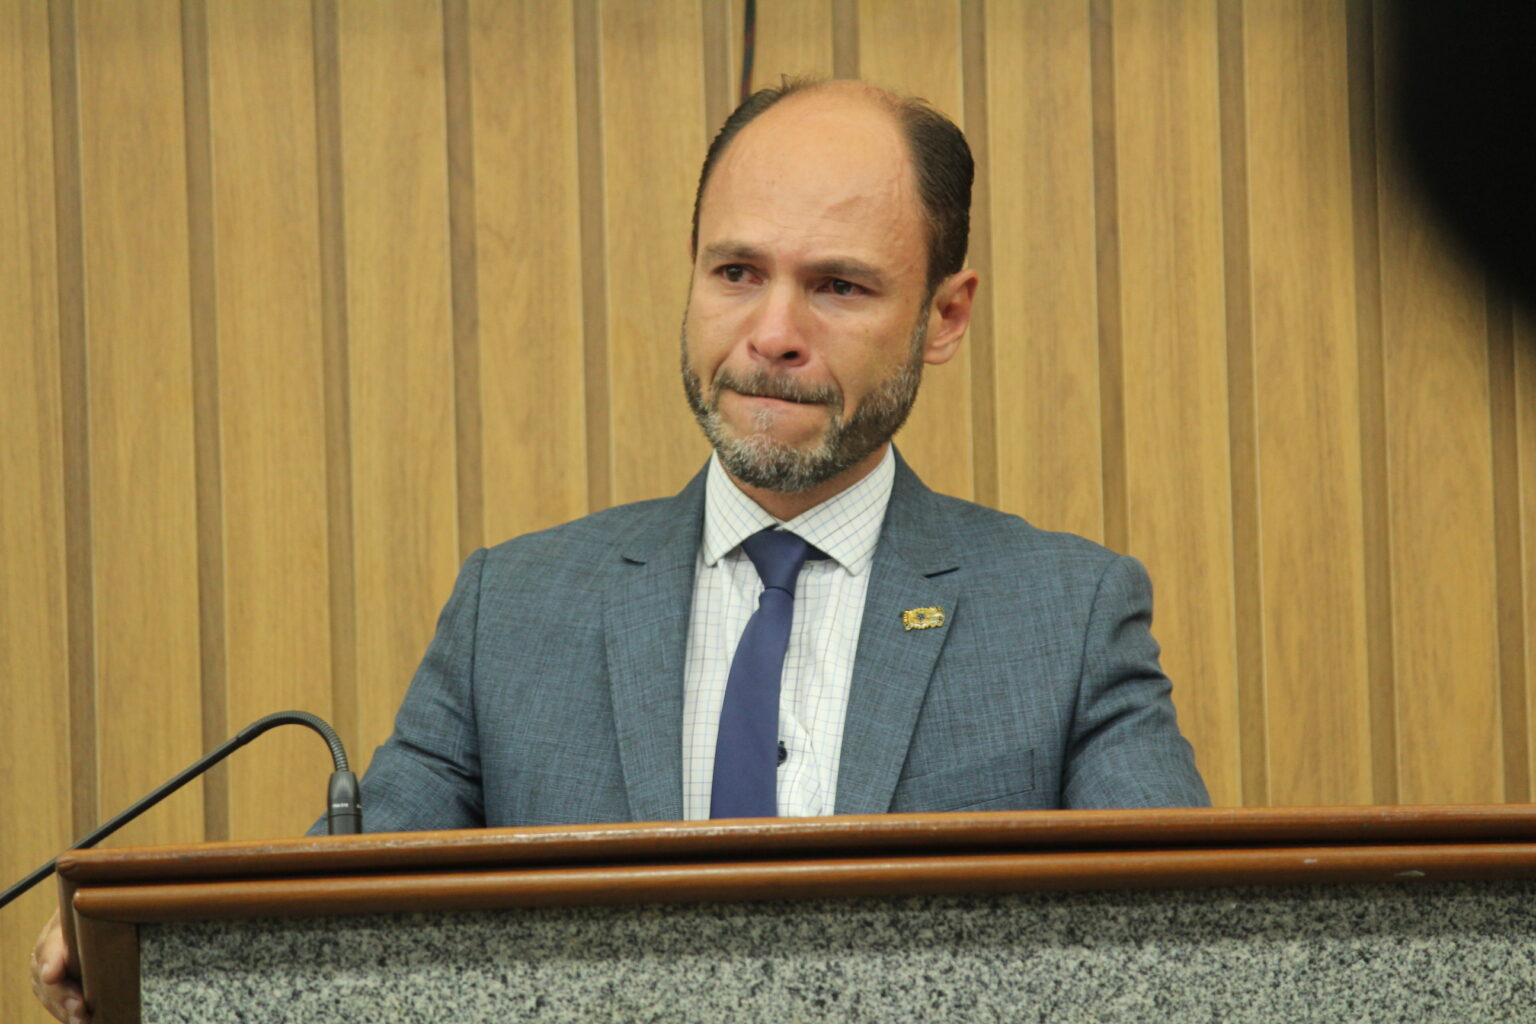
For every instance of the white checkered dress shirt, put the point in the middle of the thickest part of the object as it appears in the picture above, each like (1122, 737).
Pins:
(818, 667)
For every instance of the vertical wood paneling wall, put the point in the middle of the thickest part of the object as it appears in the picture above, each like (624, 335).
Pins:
(303, 300)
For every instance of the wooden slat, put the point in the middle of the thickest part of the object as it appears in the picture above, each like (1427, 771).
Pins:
(721, 34)
(34, 722)
(133, 156)
(914, 48)
(1440, 500)
(1525, 427)
(1307, 414)
(1376, 536)
(80, 586)
(399, 334)
(981, 337)
(1509, 560)
(206, 447)
(1168, 154)
(529, 254)
(331, 201)
(1106, 213)
(464, 274)
(1247, 559)
(794, 37)
(1043, 288)
(653, 143)
(845, 38)
(271, 403)
(592, 185)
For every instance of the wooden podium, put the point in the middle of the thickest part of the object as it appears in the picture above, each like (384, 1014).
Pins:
(1386, 913)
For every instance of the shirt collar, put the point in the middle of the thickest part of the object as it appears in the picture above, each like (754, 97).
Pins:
(846, 527)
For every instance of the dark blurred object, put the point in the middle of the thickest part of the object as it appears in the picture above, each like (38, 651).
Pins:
(1463, 97)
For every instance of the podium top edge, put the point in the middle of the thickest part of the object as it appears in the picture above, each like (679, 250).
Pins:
(641, 842)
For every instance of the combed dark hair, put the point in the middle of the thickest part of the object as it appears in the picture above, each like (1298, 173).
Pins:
(941, 161)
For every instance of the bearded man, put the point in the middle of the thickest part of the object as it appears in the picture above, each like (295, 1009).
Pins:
(806, 629)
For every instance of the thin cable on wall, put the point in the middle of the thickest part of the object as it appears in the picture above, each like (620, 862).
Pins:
(748, 46)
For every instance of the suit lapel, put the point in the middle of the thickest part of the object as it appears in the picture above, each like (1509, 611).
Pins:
(913, 568)
(646, 625)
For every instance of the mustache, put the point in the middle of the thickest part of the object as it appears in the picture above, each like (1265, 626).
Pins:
(760, 384)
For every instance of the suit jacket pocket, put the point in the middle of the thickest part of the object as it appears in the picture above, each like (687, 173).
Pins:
(993, 784)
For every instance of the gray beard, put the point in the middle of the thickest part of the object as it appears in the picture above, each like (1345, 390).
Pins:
(760, 461)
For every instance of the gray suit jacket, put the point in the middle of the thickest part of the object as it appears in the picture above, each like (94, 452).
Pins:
(553, 690)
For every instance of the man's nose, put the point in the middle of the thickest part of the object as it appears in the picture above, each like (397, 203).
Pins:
(779, 330)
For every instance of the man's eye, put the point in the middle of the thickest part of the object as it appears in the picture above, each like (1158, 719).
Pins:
(735, 273)
(845, 288)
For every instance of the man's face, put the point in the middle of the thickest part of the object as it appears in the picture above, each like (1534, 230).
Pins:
(808, 318)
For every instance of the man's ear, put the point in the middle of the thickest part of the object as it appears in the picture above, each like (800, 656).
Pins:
(950, 315)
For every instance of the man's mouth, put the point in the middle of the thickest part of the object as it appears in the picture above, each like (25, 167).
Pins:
(779, 389)
(778, 398)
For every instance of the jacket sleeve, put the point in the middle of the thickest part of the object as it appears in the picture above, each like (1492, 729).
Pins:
(427, 774)
(1125, 749)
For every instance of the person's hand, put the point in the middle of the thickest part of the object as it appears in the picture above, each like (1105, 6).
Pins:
(51, 981)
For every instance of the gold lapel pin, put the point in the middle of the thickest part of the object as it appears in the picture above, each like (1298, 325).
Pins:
(922, 618)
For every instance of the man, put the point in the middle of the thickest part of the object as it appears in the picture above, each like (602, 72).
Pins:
(582, 674)
(918, 653)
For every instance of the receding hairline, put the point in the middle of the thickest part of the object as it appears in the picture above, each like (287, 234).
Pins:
(935, 154)
(892, 103)
(804, 90)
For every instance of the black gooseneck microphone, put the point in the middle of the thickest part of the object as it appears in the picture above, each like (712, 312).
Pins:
(343, 813)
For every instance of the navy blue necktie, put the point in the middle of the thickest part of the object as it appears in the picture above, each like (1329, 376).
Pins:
(747, 747)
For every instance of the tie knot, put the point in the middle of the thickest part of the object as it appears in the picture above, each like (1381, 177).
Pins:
(778, 556)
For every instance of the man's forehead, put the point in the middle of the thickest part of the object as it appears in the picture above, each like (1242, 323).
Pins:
(839, 122)
(833, 160)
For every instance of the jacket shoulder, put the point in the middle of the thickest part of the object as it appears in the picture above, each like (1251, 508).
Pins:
(1004, 539)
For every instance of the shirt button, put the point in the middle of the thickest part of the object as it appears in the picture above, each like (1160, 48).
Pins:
(783, 754)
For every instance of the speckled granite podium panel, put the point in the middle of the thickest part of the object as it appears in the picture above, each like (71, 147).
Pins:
(1425, 952)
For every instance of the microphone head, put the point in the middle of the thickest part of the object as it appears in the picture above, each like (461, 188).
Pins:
(344, 805)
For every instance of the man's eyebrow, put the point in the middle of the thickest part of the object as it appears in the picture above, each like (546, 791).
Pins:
(733, 251)
(831, 266)
(846, 266)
